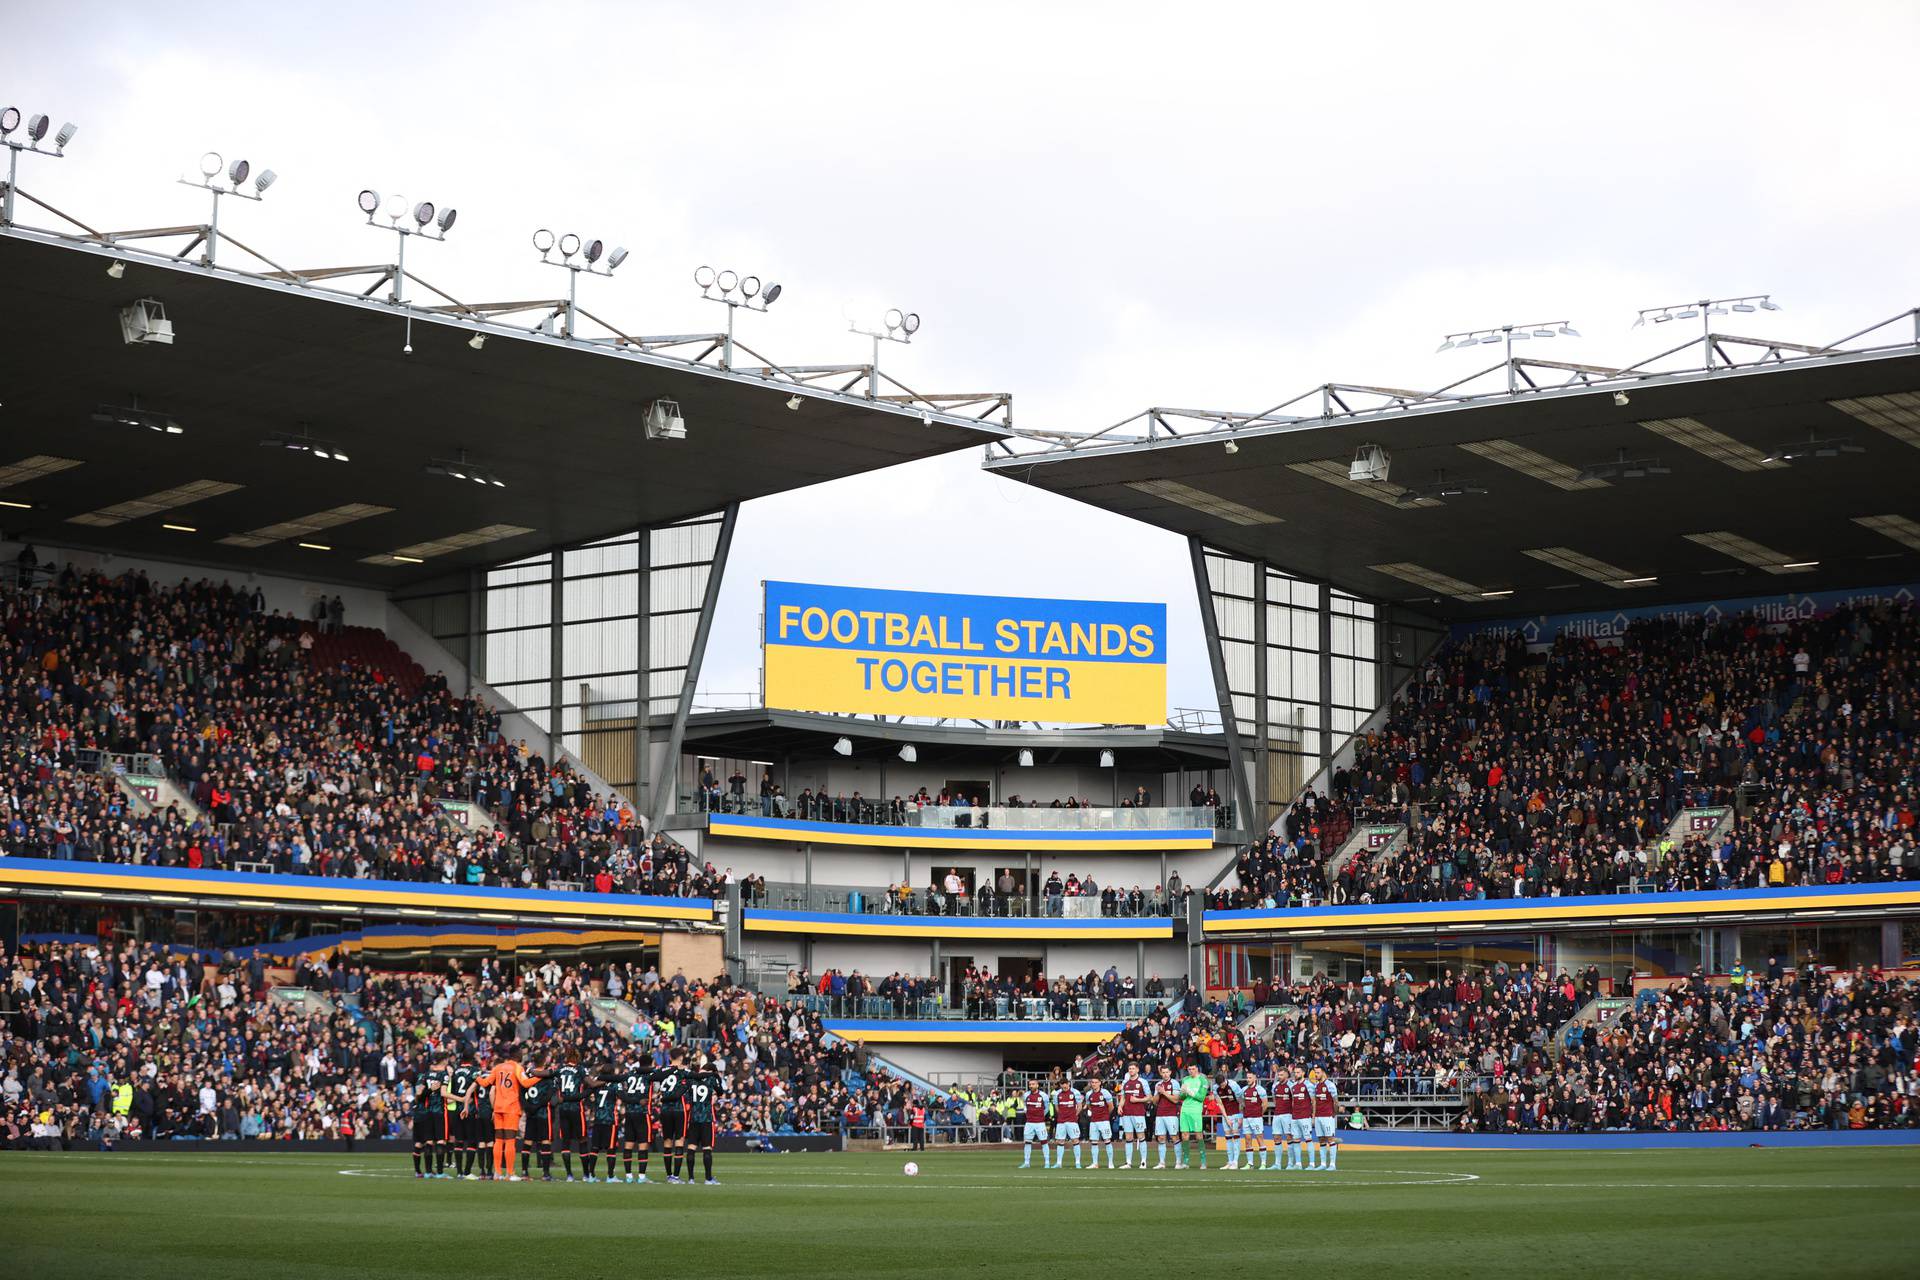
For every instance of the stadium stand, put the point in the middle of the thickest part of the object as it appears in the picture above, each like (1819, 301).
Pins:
(303, 751)
(1561, 773)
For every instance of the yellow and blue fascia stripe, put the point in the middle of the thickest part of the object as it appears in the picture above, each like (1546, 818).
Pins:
(1550, 911)
(320, 891)
(845, 924)
(808, 831)
(991, 1032)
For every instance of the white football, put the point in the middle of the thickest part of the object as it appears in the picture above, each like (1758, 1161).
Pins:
(912, 1170)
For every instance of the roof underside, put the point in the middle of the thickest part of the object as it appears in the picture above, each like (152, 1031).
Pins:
(1328, 532)
(767, 734)
(561, 425)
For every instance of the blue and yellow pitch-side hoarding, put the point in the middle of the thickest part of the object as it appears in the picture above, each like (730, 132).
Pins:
(857, 651)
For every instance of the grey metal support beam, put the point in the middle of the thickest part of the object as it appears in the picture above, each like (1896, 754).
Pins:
(1262, 719)
(1217, 662)
(643, 682)
(557, 636)
(663, 788)
(1326, 674)
(476, 663)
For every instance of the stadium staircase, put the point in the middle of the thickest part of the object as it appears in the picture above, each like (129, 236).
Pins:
(1371, 839)
(1594, 1013)
(305, 1000)
(856, 1079)
(615, 1013)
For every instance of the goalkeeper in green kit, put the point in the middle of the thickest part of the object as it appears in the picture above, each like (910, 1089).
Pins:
(1193, 1099)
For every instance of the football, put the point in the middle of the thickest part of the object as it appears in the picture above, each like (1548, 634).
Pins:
(912, 1170)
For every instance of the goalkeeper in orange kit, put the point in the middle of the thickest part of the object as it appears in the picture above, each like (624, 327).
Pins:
(506, 1079)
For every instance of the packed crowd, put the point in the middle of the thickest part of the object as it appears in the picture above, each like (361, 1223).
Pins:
(978, 993)
(1775, 1048)
(954, 893)
(1525, 774)
(291, 765)
(102, 1043)
(768, 798)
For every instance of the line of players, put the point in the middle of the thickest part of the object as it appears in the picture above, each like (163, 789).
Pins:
(615, 1113)
(1295, 1125)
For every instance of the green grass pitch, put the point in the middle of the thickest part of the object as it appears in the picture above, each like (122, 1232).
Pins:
(1748, 1213)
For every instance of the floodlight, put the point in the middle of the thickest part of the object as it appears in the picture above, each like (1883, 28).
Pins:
(1540, 333)
(445, 222)
(750, 285)
(843, 746)
(210, 163)
(728, 279)
(793, 403)
(1233, 446)
(1768, 304)
(116, 269)
(1490, 337)
(893, 318)
(618, 256)
(908, 753)
(1663, 317)
(264, 179)
(9, 120)
(237, 172)
(369, 202)
(569, 245)
(477, 341)
(1445, 346)
(396, 207)
(1026, 758)
(67, 130)
(703, 276)
(767, 298)
(594, 249)
(1620, 398)
(37, 127)
(1743, 306)
(912, 322)
(1688, 314)
(1568, 331)
(423, 212)
(1106, 759)
(543, 240)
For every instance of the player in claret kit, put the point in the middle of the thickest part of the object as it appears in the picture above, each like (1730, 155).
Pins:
(1299, 1117)
(1253, 1121)
(1066, 1123)
(1166, 1119)
(1326, 1121)
(1227, 1090)
(1135, 1097)
(1037, 1105)
(1100, 1105)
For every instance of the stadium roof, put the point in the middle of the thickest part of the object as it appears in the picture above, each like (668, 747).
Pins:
(559, 420)
(1561, 525)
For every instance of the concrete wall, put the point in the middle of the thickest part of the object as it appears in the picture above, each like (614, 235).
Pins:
(698, 955)
(942, 1062)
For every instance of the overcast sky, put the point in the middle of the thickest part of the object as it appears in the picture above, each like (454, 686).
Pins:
(1096, 207)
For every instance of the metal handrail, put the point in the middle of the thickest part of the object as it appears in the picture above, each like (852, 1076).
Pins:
(896, 900)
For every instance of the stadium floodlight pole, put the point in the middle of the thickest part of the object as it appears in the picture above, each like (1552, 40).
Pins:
(397, 211)
(723, 286)
(212, 169)
(897, 326)
(1510, 334)
(1706, 309)
(589, 253)
(36, 131)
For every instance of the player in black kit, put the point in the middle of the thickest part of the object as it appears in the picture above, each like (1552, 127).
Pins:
(538, 1102)
(464, 1114)
(571, 1110)
(703, 1092)
(671, 1084)
(636, 1115)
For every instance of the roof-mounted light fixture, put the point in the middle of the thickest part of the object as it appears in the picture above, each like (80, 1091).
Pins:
(894, 325)
(27, 137)
(1704, 311)
(576, 255)
(224, 179)
(1508, 334)
(734, 291)
(133, 415)
(419, 218)
(464, 468)
(304, 441)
